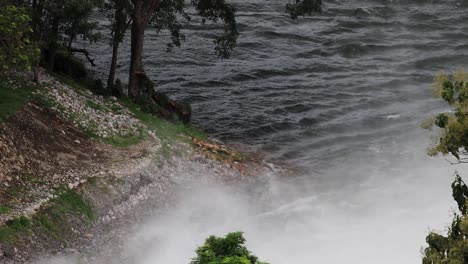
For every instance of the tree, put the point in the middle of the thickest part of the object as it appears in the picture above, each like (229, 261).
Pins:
(17, 52)
(120, 22)
(59, 23)
(227, 250)
(143, 12)
(163, 14)
(452, 248)
(454, 126)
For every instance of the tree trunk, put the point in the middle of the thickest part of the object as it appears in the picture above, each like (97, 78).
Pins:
(118, 32)
(53, 46)
(111, 79)
(137, 41)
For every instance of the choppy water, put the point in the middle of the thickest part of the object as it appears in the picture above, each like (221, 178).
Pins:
(339, 94)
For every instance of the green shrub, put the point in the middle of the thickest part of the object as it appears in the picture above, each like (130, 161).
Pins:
(452, 248)
(227, 250)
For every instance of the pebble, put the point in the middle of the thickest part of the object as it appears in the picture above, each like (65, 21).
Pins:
(101, 121)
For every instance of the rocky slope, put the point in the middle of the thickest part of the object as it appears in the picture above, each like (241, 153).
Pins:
(79, 171)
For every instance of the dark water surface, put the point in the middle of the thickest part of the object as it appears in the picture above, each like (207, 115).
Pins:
(322, 85)
(340, 94)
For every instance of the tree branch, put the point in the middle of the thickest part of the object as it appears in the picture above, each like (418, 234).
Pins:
(85, 53)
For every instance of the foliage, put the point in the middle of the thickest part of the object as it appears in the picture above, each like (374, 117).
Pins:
(303, 7)
(454, 135)
(57, 24)
(227, 250)
(452, 248)
(220, 10)
(65, 20)
(17, 52)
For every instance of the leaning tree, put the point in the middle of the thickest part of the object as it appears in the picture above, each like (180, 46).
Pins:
(165, 14)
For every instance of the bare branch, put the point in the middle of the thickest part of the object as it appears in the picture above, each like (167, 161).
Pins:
(85, 53)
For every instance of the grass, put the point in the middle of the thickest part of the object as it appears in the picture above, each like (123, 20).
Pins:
(12, 230)
(13, 95)
(51, 218)
(4, 209)
(165, 130)
(124, 141)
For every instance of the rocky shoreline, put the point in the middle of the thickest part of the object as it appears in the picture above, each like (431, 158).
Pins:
(67, 141)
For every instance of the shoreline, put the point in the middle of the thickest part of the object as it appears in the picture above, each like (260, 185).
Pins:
(121, 182)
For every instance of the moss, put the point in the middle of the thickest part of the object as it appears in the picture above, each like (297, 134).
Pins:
(13, 95)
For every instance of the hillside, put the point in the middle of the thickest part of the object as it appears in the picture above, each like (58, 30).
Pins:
(75, 167)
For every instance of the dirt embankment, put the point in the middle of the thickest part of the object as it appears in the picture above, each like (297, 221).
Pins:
(64, 191)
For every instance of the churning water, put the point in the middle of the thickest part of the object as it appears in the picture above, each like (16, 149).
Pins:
(340, 95)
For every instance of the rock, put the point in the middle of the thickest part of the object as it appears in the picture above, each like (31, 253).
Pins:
(8, 251)
(77, 141)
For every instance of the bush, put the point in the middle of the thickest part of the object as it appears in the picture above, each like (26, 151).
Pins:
(65, 63)
(453, 89)
(452, 248)
(227, 250)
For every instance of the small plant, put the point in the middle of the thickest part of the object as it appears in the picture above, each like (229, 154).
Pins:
(227, 250)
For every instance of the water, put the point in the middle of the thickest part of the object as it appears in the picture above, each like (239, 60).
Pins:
(339, 95)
